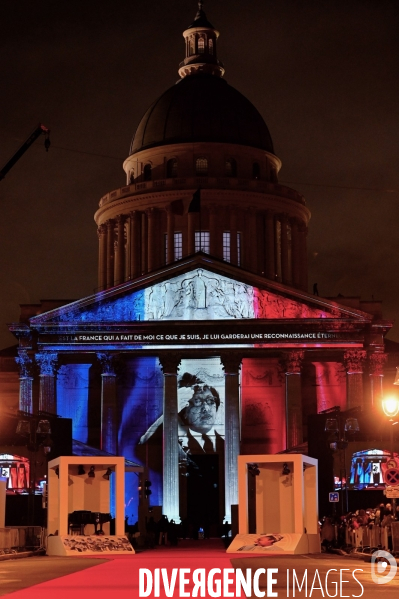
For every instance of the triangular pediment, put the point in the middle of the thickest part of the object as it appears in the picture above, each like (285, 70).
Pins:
(198, 289)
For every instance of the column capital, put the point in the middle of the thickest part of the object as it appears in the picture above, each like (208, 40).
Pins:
(231, 364)
(47, 362)
(376, 364)
(302, 228)
(354, 360)
(170, 363)
(292, 361)
(120, 219)
(24, 362)
(101, 230)
(107, 362)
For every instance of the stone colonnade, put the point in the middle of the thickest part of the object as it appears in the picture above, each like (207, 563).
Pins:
(291, 360)
(270, 244)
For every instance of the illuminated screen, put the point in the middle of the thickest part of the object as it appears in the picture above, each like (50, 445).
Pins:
(366, 470)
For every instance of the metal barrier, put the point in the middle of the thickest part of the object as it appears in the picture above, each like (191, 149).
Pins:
(20, 537)
(376, 536)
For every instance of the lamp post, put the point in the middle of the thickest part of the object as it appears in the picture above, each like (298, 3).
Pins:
(36, 429)
(339, 429)
(390, 407)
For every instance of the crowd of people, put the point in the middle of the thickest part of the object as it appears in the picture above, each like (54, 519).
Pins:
(372, 526)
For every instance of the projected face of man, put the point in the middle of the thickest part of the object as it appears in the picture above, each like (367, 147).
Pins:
(266, 541)
(201, 410)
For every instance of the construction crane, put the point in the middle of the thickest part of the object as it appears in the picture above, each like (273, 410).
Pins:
(40, 130)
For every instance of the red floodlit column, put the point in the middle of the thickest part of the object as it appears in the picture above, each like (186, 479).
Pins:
(376, 373)
(109, 408)
(292, 362)
(170, 503)
(354, 360)
(47, 397)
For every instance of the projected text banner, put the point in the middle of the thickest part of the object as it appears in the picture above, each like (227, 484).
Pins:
(204, 334)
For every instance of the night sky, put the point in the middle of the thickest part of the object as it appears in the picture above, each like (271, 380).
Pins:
(324, 75)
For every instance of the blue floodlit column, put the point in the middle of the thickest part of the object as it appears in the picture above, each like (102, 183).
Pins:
(109, 408)
(25, 381)
(231, 365)
(170, 504)
(293, 398)
(47, 398)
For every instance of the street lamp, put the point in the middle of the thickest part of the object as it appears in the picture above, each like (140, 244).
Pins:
(339, 428)
(36, 429)
(390, 407)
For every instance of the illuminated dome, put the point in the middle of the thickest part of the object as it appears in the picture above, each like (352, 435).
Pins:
(202, 108)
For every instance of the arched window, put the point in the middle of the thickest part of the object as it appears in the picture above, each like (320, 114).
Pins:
(201, 167)
(201, 45)
(147, 172)
(210, 46)
(231, 167)
(171, 168)
(255, 171)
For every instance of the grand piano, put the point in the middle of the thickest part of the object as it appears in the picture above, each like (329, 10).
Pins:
(78, 519)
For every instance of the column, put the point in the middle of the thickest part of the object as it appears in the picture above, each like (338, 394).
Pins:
(213, 231)
(233, 235)
(253, 255)
(376, 374)
(293, 397)
(353, 360)
(120, 255)
(270, 271)
(231, 365)
(109, 406)
(25, 381)
(152, 241)
(295, 254)
(144, 243)
(135, 254)
(303, 253)
(170, 229)
(47, 363)
(192, 218)
(285, 274)
(170, 504)
(110, 252)
(102, 257)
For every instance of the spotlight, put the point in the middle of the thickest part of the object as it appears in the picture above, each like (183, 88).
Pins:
(81, 470)
(107, 474)
(91, 472)
(286, 470)
(253, 469)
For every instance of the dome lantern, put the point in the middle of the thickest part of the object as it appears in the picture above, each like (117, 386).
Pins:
(201, 47)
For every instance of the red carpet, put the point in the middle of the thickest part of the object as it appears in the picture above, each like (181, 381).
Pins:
(119, 577)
